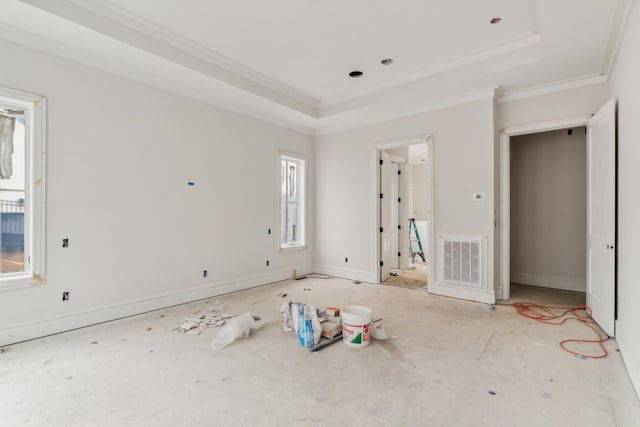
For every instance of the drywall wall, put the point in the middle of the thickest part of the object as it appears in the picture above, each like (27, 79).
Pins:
(419, 188)
(548, 209)
(625, 86)
(346, 185)
(553, 106)
(120, 155)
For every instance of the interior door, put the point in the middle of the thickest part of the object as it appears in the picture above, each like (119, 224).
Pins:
(601, 186)
(385, 216)
(395, 220)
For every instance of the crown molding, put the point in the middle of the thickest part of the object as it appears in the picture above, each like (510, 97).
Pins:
(388, 113)
(448, 65)
(107, 19)
(565, 85)
(616, 33)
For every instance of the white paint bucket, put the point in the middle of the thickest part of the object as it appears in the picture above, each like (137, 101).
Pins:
(355, 325)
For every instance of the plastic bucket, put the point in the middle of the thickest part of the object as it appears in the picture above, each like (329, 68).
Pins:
(355, 325)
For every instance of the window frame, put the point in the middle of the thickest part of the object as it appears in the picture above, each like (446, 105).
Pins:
(302, 189)
(34, 107)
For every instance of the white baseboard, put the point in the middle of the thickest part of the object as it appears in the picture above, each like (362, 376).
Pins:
(553, 282)
(53, 325)
(462, 292)
(631, 360)
(346, 273)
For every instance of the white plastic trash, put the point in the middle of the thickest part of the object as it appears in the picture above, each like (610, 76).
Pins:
(356, 320)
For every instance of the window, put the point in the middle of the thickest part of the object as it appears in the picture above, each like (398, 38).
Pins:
(22, 194)
(292, 192)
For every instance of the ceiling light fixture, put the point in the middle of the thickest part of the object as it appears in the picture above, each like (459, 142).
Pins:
(355, 74)
(495, 20)
(387, 61)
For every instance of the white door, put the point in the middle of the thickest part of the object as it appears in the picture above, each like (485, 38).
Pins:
(601, 186)
(385, 216)
(395, 215)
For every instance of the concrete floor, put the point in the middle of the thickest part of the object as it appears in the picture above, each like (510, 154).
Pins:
(415, 277)
(439, 371)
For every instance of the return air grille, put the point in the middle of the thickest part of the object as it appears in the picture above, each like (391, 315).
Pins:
(462, 261)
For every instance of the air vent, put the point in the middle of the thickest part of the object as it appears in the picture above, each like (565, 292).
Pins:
(462, 261)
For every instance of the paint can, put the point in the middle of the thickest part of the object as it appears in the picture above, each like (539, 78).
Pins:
(356, 320)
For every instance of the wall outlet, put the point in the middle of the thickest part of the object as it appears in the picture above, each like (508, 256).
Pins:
(65, 296)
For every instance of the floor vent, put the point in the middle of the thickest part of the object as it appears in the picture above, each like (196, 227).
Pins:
(462, 260)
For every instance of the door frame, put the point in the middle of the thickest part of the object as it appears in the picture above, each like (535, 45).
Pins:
(505, 188)
(375, 197)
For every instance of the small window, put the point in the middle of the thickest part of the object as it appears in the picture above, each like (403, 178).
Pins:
(292, 206)
(21, 188)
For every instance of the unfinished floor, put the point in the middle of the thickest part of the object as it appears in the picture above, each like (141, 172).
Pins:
(452, 363)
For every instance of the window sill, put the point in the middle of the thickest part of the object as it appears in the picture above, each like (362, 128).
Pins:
(296, 248)
(20, 282)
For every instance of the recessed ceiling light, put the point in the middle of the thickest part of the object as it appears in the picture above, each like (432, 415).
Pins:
(387, 61)
(495, 20)
(355, 74)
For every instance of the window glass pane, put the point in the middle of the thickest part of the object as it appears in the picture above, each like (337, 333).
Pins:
(283, 223)
(12, 189)
(293, 232)
(292, 184)
(283, 180)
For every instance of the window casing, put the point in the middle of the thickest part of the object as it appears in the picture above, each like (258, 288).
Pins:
(22, 190)
(292, 201)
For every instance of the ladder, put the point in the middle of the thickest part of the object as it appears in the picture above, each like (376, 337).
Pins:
(414, 236)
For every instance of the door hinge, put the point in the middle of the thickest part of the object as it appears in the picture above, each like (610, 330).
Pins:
(399, 254)
(399, 227)
(381, 264)
(381, 162)
(381, 230)
(381, 196)
(399, 172)
(399, 200)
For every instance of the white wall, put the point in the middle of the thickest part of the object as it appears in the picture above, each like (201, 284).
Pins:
(548, 209)
(119, 157)
(419, 189)
(625, 86)
(464, 164)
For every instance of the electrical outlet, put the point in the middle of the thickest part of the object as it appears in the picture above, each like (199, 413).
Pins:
(267, 263)
(65, 243)
(204, 273)
(65, 296)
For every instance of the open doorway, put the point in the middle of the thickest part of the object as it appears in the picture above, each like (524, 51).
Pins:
(405, 211)
(548, 214)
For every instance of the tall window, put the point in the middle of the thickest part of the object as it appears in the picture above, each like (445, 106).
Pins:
(292, 192)
(21, 188)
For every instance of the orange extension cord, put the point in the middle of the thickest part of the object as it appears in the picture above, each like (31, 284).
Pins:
(582, 314)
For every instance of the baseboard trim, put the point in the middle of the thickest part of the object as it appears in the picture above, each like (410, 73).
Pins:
(346, 273)
(631, 362)
(552, 282)
(42, 327)
(450, 290)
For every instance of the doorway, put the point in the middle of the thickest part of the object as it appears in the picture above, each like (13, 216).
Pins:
(548, 211)
(600, 208)
(405, 212)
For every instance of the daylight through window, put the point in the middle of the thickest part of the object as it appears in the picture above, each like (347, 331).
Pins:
(291, 201)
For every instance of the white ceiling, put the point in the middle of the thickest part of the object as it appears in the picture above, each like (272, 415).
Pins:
(287, 61)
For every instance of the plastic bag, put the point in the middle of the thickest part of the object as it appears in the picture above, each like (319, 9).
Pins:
(306, 324)
(236, 327)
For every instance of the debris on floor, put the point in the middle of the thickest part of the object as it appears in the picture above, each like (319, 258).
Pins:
(235, 328)
(492, 307)
(492, 393)
(195, 325)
